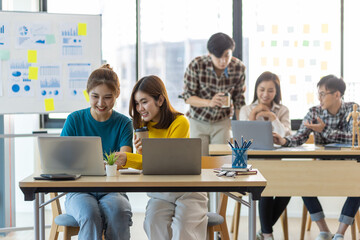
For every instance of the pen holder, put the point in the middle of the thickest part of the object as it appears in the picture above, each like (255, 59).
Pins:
(239, 158)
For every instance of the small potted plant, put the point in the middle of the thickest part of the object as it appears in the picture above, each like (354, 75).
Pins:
(110, 166)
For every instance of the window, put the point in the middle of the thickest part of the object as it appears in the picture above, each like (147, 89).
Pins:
(351, 50)
(291, 39)
(174, 32)
(118, 37)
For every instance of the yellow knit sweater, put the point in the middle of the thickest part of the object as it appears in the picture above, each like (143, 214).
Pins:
(179, 128)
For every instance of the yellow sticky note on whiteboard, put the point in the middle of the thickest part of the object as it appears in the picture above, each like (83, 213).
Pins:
(82, 29)
(49, 104)
(32, 56)
(86, 96)
(33, 73)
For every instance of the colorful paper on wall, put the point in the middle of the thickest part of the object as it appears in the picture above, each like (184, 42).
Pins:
(263, 61)
(273, 43)
(306, 28)
(310, 98)
(301, 63)
(292, 79)
(305, 43)
(274, 29)
(324, 28)
(289, 62)
(327, 46)
(276, 62)
(323, 65)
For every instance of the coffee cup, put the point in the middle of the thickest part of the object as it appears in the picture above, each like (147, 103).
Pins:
(142, 132)
(225, 100)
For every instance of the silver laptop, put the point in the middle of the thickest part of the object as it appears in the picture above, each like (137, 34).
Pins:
(259, 131)
(71, 155)
(171, 156)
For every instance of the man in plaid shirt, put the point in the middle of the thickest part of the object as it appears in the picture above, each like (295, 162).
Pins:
(329, 125)
(207, 81)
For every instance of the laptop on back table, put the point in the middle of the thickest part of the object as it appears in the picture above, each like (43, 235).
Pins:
(259, 131)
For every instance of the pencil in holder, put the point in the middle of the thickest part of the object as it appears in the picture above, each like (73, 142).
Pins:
(239, 158)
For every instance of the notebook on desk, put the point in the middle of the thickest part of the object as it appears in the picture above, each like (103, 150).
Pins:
(171, 156)
(71, 155)
(259, 131)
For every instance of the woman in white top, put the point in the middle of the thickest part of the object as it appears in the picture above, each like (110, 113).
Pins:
(267, 106)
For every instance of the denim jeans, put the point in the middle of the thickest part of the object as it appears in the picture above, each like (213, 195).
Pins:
(351, 206)
(98, 212)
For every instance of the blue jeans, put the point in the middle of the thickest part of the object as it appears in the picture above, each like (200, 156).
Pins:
(98, 212)
(351, 206)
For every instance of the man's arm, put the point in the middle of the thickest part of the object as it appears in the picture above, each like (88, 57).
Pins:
(196, 101)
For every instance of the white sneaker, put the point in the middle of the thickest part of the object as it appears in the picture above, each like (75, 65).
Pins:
(324, 236)
(338, 237)
(259, 235)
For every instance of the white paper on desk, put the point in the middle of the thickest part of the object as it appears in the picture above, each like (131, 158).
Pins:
(298, 148)
(130, 171)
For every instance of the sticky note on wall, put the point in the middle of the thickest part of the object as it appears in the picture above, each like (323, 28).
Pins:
(32, 56)
(324, 28)
(263, 61)
(289, 62)
(292, 79)
(301, 63)
(327, 45)
(274, 29)
(310, 98)
(82, 29)
(306, 28)
(49, 104)
(33, 73)
(276, 62)
(323, 65)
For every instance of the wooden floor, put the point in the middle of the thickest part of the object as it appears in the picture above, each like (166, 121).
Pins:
(138, 233)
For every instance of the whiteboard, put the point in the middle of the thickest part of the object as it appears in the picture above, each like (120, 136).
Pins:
(46, 60)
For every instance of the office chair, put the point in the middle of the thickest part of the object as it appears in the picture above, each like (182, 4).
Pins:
(62, 222)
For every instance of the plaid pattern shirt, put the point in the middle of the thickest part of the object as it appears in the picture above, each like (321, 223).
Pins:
(337, 129)
(201, 80)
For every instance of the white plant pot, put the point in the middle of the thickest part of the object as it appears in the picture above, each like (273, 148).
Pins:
(111, 170)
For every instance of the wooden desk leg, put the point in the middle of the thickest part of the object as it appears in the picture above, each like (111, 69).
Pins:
(303, 223)
(36, 216)
(252, 218)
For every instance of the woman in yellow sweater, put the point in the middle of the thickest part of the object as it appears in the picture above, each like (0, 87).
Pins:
(177, 216)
